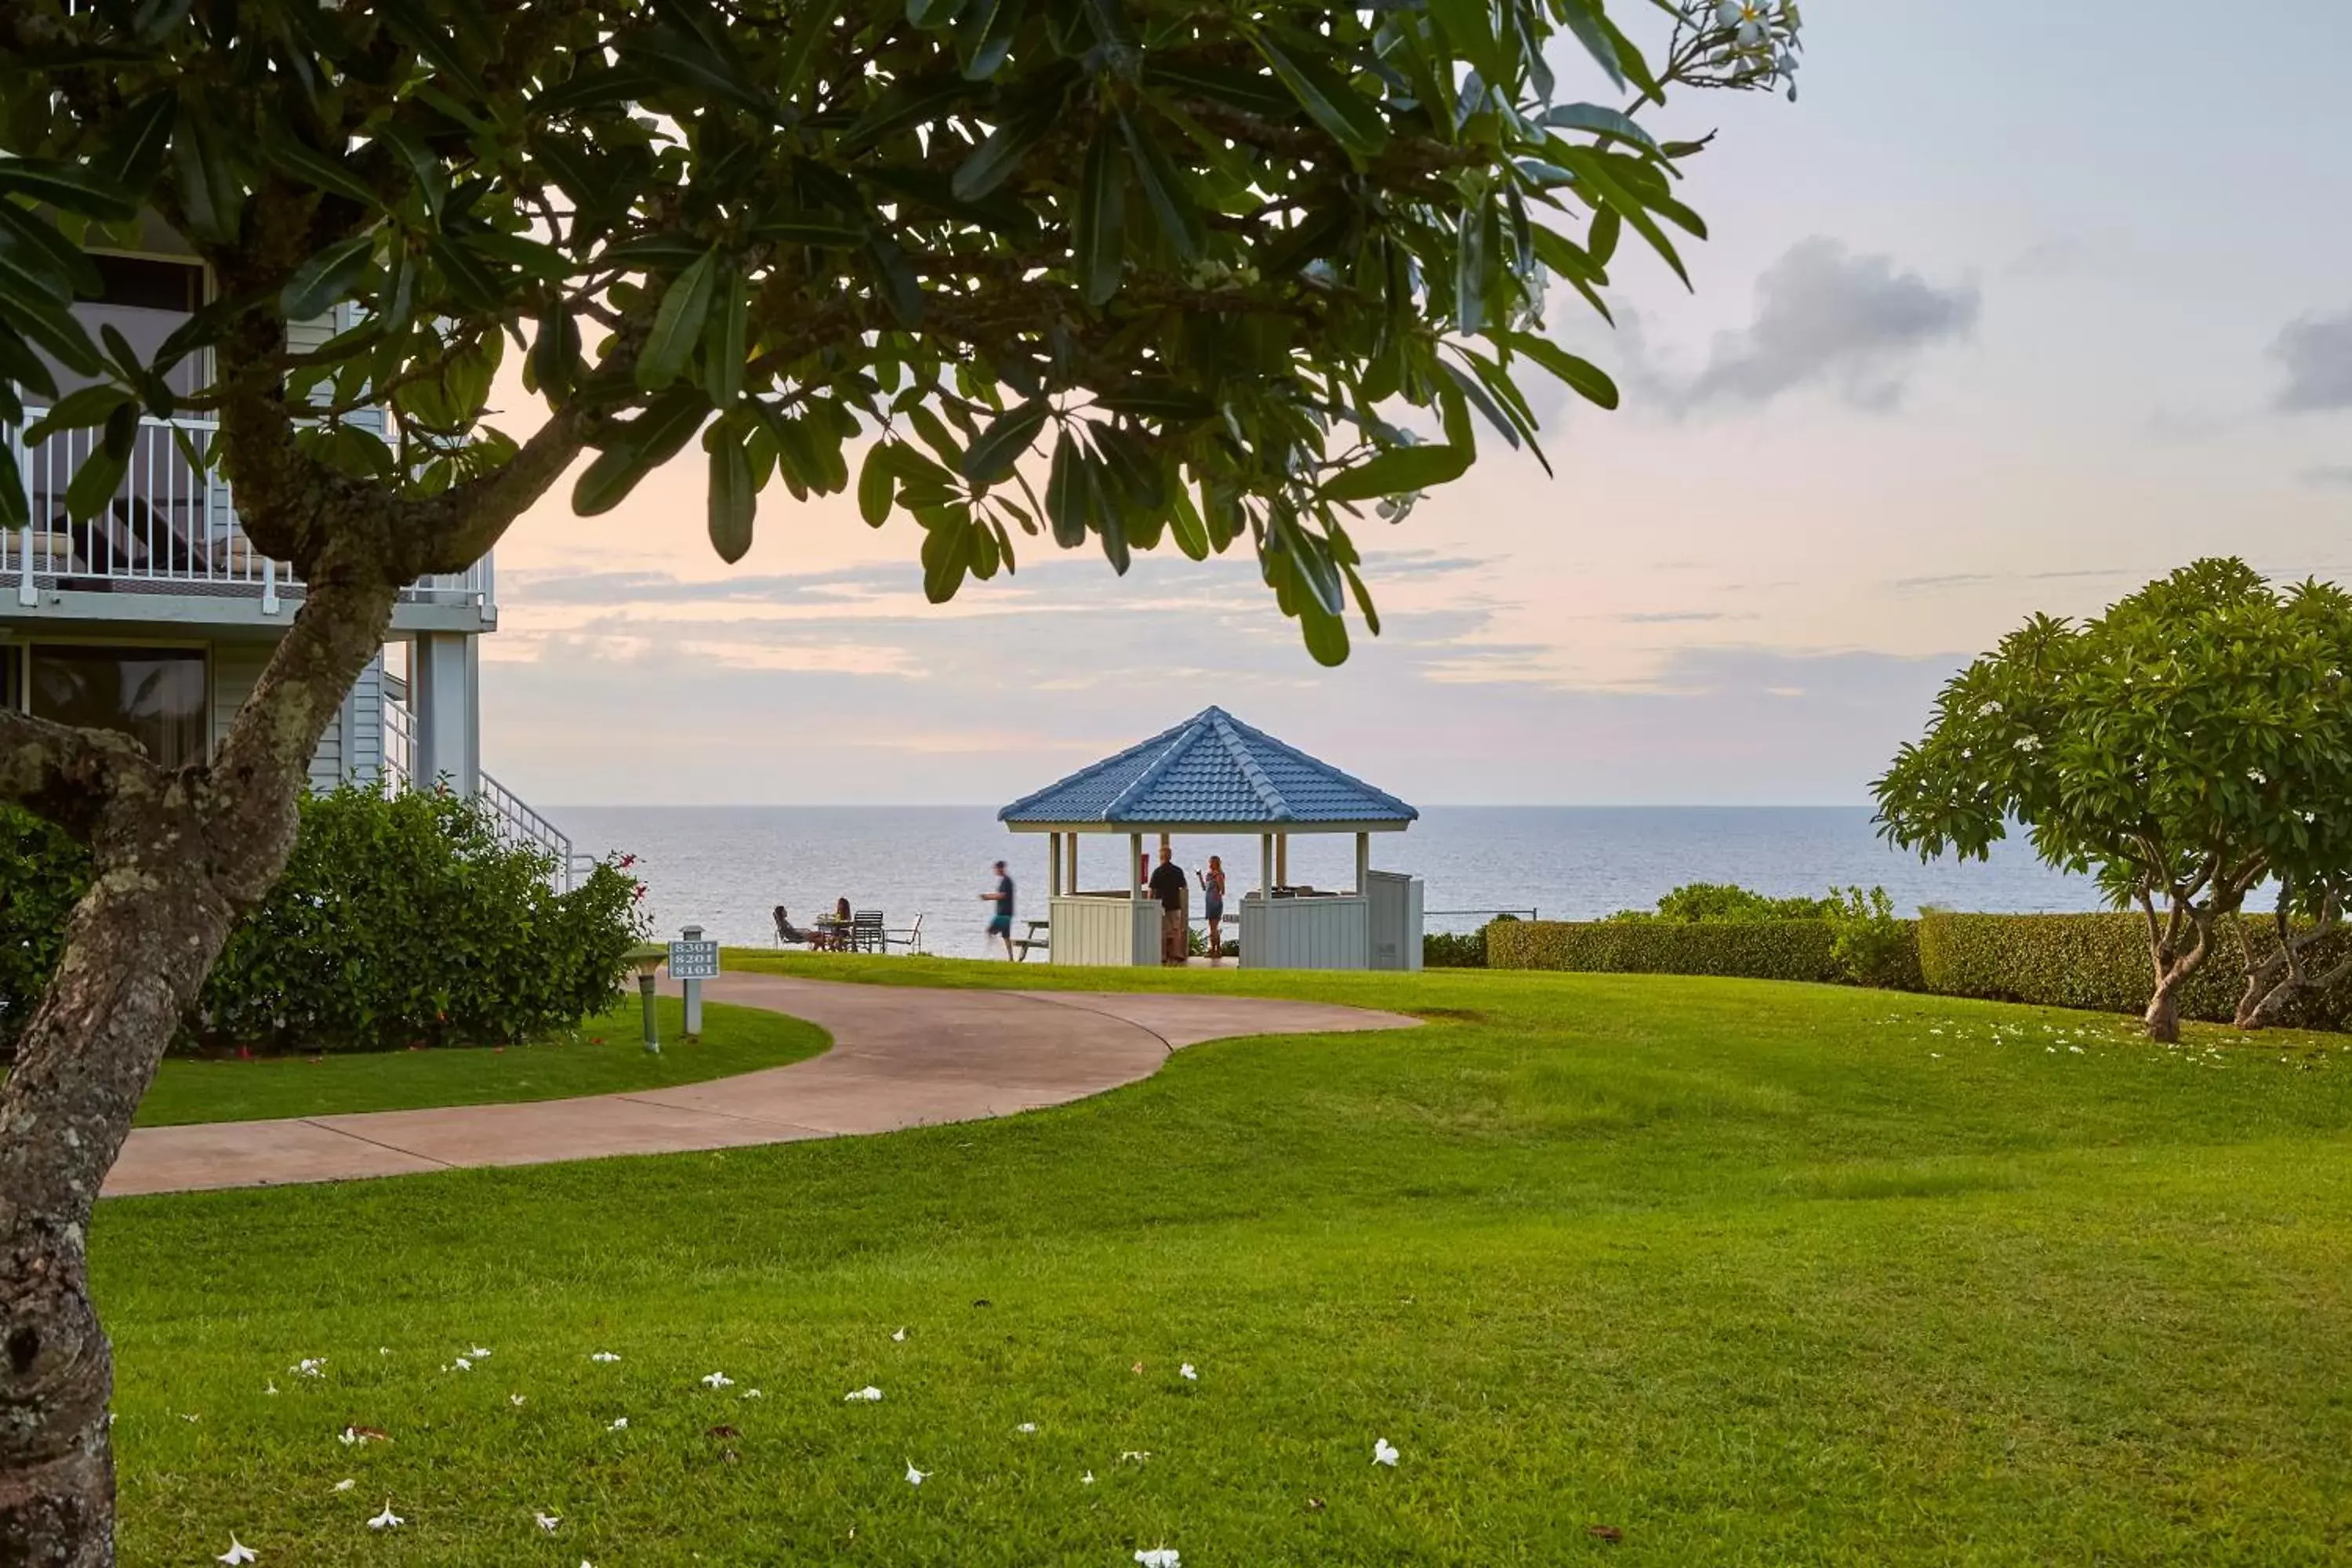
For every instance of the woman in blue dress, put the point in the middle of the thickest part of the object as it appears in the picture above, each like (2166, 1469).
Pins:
(1213, 884)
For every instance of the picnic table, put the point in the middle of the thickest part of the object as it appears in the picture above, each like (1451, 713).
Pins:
(1039, 935)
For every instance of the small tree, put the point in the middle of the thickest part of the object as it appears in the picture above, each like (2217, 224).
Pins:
(2191, 742)
(1201, 261)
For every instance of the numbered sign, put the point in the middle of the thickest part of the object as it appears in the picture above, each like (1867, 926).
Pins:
(694, 961)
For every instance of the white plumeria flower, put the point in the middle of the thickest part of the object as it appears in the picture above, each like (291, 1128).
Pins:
(717, 1380)
(345, 1484)
(1187, 1374)
(238, 1551)
(869, 1394)
(900, 1336)
(192, 1419)
(1159, 1557)
(604, 1355)
(547, 1520)
(1137, 1454)
(1026, 1426)
(309, 1366)
(749, 1394)
(514, 1399)
(914, 1476)
(618, 1424)
(478, 1353)
(387, 1520)
(460, 1364)
(1087, 1479)
(1384, 1452)
(272, 1388)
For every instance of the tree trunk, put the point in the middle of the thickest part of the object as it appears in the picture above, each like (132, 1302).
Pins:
(177, 859)
(2163, 1016)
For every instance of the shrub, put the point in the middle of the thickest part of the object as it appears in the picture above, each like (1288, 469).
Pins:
(1728, 903)
(2099, 961)
(1773, 950)
(400, 921)
(43, 875)
(1873, 947)
(1454, 950)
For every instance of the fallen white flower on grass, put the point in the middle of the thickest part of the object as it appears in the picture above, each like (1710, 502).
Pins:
(272, 1388)
(192, 1419)
(460, 1364)
(618, 1424)
(309, 1366)
(869, 1394)
(1187, 1374)
(238, 1551)
(1137, 1454)
(900, 1336)
(387, 1520)
(383, 1350)
(345, 1484)
(1159, 1557)
(717, 1380)
(749, 1394)
(1087, 1479)
(514, 1399)
(914, 1476)
(604, 1355)
(1384, 1452)
(547, 1520)
(478, 1353)
(1026, 1426)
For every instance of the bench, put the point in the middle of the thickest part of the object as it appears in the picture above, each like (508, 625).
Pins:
(1040, 935)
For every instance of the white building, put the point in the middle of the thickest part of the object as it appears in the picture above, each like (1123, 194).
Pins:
(156, 616)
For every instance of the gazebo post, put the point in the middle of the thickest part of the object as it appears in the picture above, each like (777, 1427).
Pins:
(1073, 863)
(1266, 866)
(1282, 859)
(1363, 864)
(1134, 884)
(1054, 865)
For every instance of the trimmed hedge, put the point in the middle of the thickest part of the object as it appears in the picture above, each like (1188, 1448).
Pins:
(402, 919)
(2095, 961)
(1754, 950)
(2100, 962)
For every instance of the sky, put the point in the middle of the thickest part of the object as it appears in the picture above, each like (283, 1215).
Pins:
(2019, 306)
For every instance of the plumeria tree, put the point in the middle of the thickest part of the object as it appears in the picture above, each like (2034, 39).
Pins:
(2186, 747)
(1110, 273)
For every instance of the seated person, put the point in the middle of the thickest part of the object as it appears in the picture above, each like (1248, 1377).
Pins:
(789, 933)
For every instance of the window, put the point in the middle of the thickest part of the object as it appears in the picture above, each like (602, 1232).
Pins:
(154, 695)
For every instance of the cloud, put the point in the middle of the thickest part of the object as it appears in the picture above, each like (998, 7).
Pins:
(1827, 317)
(2316, 353)
(2329, 476)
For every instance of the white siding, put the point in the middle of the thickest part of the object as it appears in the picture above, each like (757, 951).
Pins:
(1305, 933)
(363, 724)
(1099, 932)
(236, 665)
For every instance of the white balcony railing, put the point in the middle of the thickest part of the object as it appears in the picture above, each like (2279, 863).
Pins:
(516, 821)
(171, 526)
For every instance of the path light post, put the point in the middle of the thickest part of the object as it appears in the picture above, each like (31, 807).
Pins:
(646, 959)
(693, 960)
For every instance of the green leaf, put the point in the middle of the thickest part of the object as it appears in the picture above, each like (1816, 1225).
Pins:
(1594, 170)
(1588, 380)
(47, 323)
(1601, 239)
(1474, 258)
(15, 510)
(326, 280)
(1184, 523)
(211, 199)
(905, 107)
(901, 290)
(1398, 471)
(989, 30)
(21, 365)
(679, 58)
(1468, 27)
(1163, 187)
(947, 556)
(32, 245)
(727, 343)
(307, 166)
(811, 23)
(1067, 492)
(1353, 121)
(1097, 235)
(932, 13)
(994, 159)
(142, 139)
(555, 350)
(1241, 89)
(877, 480)
(800, 229)
(992, 457)
(477, 285)
(936, 435)
(1598, 118)
(677, 324)
(1585, 19)
(734, 498)
(81, 407)
(94, 483)
(74, 187)
(643, 445)
(1325, 634)
(1156, 397)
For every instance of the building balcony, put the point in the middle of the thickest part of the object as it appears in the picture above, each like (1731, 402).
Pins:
(167, 546)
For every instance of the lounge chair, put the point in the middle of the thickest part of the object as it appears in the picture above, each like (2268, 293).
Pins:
(865, 931)
(790, 935)
(911, 937)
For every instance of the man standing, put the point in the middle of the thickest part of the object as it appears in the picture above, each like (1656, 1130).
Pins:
(1169, 883)
(1000, 924)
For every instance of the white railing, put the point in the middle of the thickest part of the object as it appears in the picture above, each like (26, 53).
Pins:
(518, 823)
(399, 770)
(169, 525)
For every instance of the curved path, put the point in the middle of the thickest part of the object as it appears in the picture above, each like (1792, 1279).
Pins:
(902, 1056)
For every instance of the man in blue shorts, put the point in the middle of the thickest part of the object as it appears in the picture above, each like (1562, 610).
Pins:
(1000, 924)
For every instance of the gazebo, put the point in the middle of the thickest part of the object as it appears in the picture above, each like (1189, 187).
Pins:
(1214, 774)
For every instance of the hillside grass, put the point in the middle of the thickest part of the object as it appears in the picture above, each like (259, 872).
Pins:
(1751, 1273)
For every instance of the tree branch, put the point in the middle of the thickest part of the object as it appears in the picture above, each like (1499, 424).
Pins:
(63, 774)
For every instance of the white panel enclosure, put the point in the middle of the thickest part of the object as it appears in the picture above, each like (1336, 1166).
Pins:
(1102, 931)
(1320, 932)
(1396, 920)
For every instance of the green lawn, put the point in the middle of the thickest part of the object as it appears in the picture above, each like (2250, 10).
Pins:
(605, 1056)
(1755, 1274)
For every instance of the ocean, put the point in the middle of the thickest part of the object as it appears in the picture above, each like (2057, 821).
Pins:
(725, 868)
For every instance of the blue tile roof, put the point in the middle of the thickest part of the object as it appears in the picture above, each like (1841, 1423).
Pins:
(1210, 769)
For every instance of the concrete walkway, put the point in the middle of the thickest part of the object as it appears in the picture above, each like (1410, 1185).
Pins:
(902, 1056)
